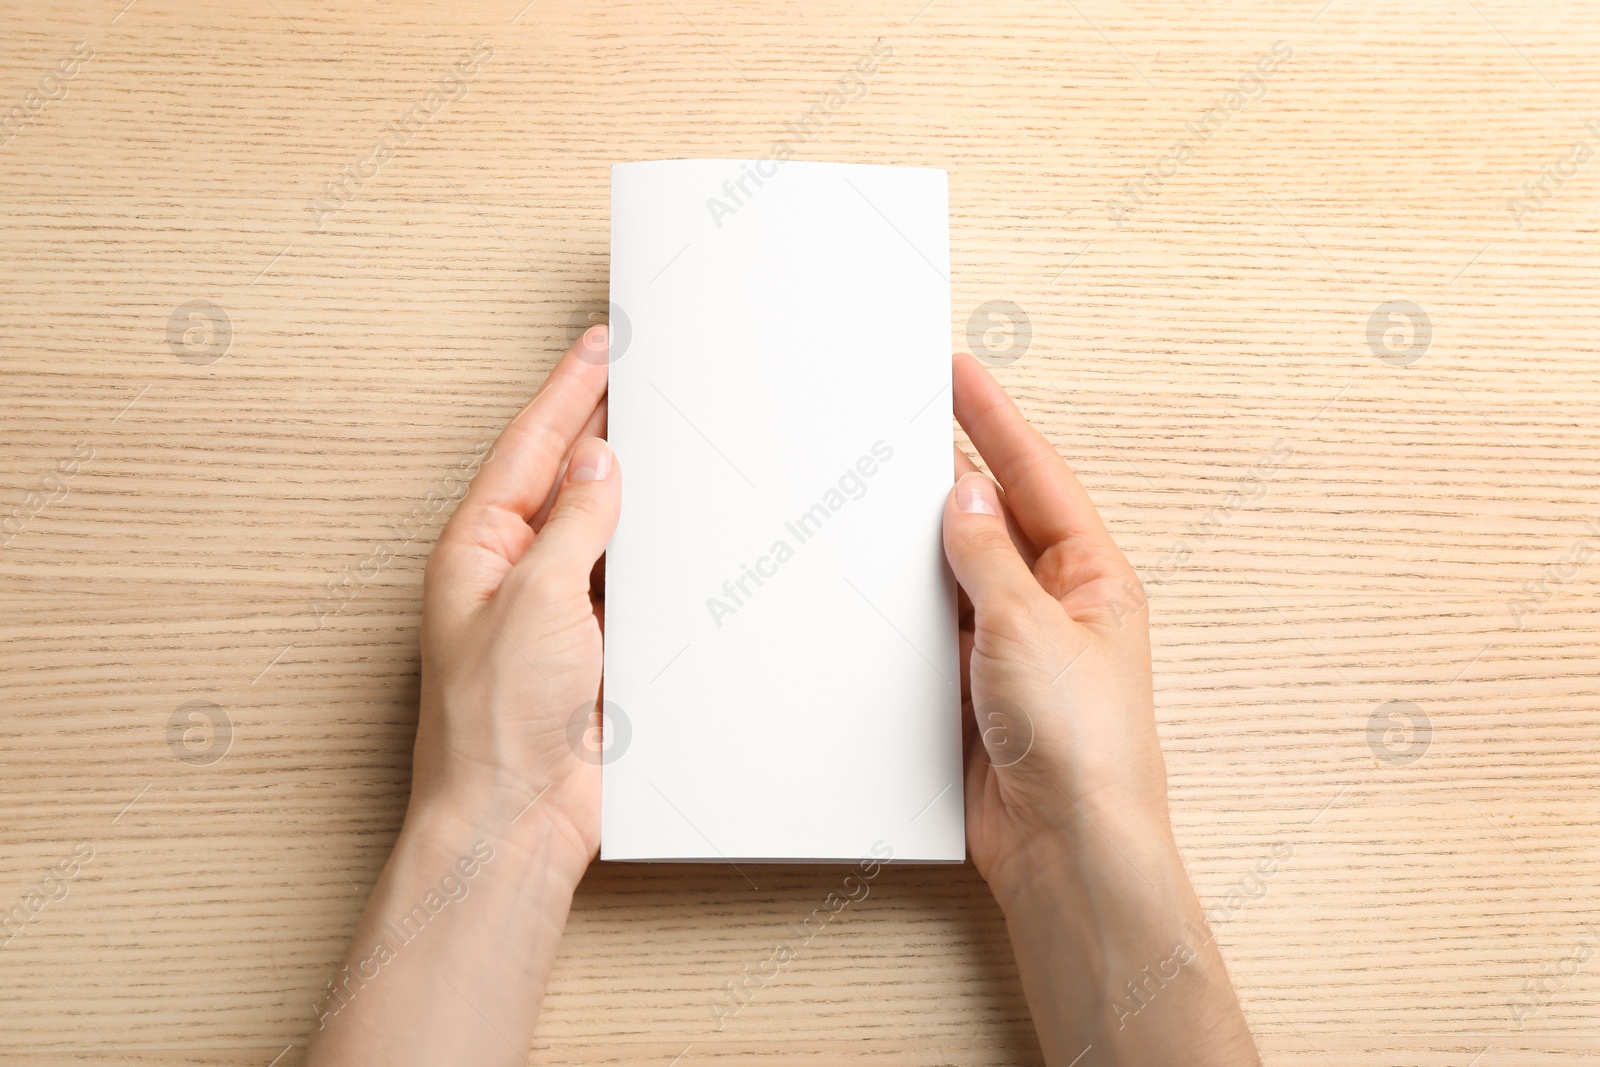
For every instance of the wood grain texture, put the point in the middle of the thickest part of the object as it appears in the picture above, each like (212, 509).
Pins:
(1322, 531)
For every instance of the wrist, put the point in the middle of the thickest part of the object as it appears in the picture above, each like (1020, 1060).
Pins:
(1114, 952)
(533, 834)
(1106, 892)
(1112, 894)
(1082, 855)
(466, 878)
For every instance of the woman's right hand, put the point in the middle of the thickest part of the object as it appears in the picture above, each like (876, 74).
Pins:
(1066, 788)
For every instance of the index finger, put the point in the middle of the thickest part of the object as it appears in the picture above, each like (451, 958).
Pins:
(1049, 502)
(1030, 554)
(530, 450)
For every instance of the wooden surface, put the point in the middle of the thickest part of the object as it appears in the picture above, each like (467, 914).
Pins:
(1410, 533)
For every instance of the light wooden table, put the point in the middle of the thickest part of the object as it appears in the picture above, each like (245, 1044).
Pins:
(1329, 520)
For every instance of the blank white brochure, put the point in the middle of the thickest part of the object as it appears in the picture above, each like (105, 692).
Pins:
(781, 678)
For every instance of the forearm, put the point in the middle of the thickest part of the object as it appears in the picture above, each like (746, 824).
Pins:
(451, 956)
(1116, 959)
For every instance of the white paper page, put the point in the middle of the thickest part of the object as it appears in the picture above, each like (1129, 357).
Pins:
(780, 406)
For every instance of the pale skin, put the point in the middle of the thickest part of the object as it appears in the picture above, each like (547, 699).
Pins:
(1073, 837)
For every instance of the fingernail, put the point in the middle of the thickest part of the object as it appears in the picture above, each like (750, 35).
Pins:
(594, 339)
(975, 494)
(591, 461)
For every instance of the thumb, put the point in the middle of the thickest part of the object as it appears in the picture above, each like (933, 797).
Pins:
(582, 519)
(980, 550)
